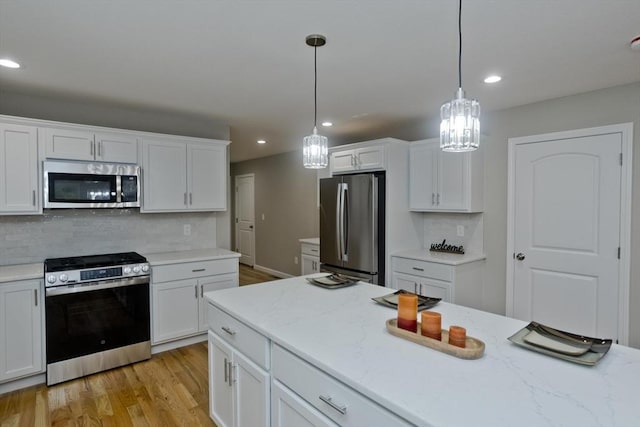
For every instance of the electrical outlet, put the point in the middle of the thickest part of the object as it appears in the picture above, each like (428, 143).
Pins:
(186, 229)
(460, 231)
(295, 260)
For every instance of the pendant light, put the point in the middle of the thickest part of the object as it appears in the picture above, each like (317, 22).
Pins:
(315, 148)
(460, 125)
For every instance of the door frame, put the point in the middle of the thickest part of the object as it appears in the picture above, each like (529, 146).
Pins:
(235, 212)
(626, 179)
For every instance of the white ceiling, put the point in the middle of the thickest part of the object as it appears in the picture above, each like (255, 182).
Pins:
(385, 63)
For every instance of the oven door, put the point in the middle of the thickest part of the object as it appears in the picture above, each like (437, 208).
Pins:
(92, 318)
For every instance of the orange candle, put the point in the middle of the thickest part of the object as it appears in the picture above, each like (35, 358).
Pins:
(408, 312)
(431, 325)
(458, 336)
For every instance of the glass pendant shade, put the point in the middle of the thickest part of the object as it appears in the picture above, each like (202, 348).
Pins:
(460, 125)
(315, 151)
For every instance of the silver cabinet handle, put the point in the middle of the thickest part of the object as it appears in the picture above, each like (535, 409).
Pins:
(226, 371)
(231, 374)
(91, 148)
(99, 149)
(196, 288)
(421, 289)
(198, 270)
(33, 197)
(35, 296)
(329, 401)
(418, 269)
(415, 288)
(520, 256)
(191, 198)
(201, 291)
(228, 330)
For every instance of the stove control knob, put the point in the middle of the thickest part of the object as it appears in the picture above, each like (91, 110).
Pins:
(63, 277)
(127, 270)
(145, 268)
(136, 269)
(51, 279)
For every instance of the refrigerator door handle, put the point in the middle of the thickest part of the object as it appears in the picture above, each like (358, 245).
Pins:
(345, 223)
(339, 220)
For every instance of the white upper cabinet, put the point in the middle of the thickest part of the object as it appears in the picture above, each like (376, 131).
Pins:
(78, 144)
(184, 176)
(444, 182)
(19, 170)
(363, 158)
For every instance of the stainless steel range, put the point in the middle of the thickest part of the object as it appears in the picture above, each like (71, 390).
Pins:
(97, 314)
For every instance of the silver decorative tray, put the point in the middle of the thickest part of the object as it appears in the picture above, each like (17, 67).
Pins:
(560, 344)
(391, 300)
(333, 281)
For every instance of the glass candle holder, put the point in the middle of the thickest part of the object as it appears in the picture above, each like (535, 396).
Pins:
(431, 325)
(458, 336)
(408, 312)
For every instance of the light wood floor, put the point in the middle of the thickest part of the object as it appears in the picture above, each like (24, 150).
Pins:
(170, 389)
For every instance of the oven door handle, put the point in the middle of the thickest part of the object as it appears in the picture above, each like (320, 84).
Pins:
(95, 286)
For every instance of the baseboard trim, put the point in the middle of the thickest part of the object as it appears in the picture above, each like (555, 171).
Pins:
(159, 348)
(272, 272)
(23, 383)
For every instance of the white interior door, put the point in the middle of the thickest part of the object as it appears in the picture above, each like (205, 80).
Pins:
(565, 196)
(245, 219)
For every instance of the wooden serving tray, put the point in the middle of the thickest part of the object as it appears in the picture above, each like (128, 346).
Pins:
(474, 347)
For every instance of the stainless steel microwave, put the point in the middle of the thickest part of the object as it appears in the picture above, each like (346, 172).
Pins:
(91, 185)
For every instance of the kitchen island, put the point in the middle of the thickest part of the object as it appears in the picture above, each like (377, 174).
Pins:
(341, 334)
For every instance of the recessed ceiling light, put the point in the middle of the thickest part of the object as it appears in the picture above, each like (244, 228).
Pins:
(262, 141)
(9, 63)
(327, 124)
(492, 79)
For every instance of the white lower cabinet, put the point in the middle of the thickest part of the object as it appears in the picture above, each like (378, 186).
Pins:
(21, 349)
(459, 283)
(289, 410)
(309, 257)
(178, 305)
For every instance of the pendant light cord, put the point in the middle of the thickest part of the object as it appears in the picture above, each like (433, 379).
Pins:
(315, 86)
(460, 45)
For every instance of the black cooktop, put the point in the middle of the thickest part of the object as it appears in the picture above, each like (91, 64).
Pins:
(92, 261)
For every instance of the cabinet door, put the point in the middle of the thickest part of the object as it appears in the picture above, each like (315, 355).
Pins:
(164, 171)
(116, 148)
(220, 386)
(368, 158)
(175, 310)
(68, 144)
(309, 264)
(213, 283)
(422, 176)
(289, 410)
(453, 181)
(20, 329)
(207, 173)
(406, 282)
(435, 289)
(251, 385)
(19, 170)
(343, 161)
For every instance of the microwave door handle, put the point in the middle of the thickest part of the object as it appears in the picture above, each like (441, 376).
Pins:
(118, 188)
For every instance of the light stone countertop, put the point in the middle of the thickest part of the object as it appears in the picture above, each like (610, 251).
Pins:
(343, 332)
(310, 240)
(439, 257)
(178, 257)
(13, 273)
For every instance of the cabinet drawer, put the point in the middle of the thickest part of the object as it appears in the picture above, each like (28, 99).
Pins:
(310, 249)
(423, 268)
(346, 406)
(249, 342)
(189, 270)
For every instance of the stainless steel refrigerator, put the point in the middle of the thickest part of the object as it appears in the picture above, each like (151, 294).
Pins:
(352, 226)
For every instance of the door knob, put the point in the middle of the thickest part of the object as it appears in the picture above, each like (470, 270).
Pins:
(251, 227)
(520, 256)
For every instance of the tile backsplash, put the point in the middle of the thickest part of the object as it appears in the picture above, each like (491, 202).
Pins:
(73, 232)
(440, 226)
